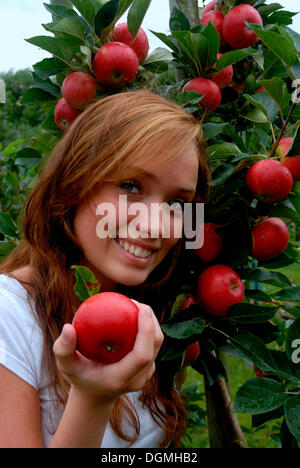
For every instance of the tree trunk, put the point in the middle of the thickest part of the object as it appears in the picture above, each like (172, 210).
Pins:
(223, 426)
(191, 11)
(189, 8)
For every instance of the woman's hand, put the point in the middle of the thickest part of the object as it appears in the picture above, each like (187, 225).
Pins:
(105, 383)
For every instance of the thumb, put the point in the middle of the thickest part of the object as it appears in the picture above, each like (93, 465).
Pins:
(65, 346)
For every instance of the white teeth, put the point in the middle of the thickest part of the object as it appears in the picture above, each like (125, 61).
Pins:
(137, 251)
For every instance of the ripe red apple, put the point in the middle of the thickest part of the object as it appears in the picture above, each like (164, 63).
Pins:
(219, 287)
(292, 163)
(224, 77)
(212, 245)
(191, 354)
(106, 326)
(64, 114)
(212, 93)
(139, 44)
(216, 17)
(235, 31)
(115, 64)
(210, 6)
(269, 238)
(269, 181)
(79, 89)
(260, 90)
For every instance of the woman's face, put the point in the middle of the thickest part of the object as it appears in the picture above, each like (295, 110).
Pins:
(141, 241)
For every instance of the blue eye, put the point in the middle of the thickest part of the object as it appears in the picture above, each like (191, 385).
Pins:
(180, 204)
(130, 186)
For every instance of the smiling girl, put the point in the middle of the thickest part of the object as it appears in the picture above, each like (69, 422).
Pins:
(136, 144)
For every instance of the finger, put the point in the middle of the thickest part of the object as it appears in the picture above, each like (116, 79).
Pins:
(142, 354)
(64, 347)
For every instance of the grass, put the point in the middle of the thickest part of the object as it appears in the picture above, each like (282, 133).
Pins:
(239, 372)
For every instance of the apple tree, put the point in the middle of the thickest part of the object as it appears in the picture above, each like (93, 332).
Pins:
(235, 66)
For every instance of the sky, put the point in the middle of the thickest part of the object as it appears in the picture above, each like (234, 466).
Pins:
(22, 19)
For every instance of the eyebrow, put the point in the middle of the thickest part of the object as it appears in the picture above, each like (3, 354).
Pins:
(142, 172)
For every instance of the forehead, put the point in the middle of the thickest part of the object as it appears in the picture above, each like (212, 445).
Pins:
(183, 168)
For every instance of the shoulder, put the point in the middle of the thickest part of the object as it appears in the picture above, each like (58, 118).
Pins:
(21, 339)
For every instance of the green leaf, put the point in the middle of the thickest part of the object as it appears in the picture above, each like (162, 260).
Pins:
(60, 11)
(158, 60)
(27, 157)
(278, 44)
(295, 36)
(254, 349)
(277, 89)
(5, 248)
(86, 283)
(86, 9)
(232, 57)
(182, 330)
(106, 15)
(166, 40)
(257, 116)
(291, 294)
(259, 395)
(292, 415)
(186, 98)
(222, 151)
(178, 21)
(68, 26)
(211, 130)
(49, 67)
(136, 15)
(8, 226)
(55, 46)
(244, 313)
(265, 103)
(36, 95)
(274, 278)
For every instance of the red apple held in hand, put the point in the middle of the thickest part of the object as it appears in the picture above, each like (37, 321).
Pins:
(269, 238)
(224, 77)
(115, 64)
(234, 29)
(64, 114)
(216, 17)
(210, 6)
(269, 181)
(212, 245)
(219, 287)
(139, 44)
(79, 89)
(212, 93)
(106, 326)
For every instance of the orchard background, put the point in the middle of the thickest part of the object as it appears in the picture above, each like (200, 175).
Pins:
(243, 389)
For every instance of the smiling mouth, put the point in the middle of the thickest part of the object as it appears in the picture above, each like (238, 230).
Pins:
(133, 249)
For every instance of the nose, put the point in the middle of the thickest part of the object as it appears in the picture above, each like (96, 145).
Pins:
(145, 220)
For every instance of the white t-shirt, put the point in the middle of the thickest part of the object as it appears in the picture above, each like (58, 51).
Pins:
(21, 344)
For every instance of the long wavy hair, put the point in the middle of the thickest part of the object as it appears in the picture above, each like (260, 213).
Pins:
(109, 135)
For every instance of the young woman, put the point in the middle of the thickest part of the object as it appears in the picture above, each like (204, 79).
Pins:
(136, 144)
